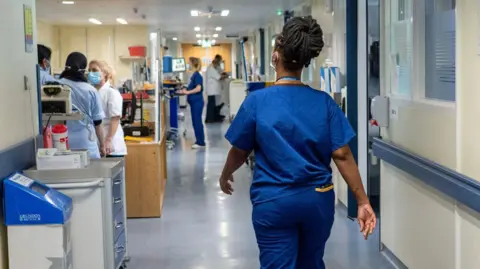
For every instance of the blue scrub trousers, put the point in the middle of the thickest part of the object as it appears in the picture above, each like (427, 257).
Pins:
(196, 107)
(292, 231)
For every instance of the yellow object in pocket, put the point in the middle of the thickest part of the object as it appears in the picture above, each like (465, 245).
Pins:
(324, 189)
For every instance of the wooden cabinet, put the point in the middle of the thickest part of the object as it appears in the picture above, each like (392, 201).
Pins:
(145, 179)
(146, 175)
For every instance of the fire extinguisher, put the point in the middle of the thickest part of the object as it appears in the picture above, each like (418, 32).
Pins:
(60, 137)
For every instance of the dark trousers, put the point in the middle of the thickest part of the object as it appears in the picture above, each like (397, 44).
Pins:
(196, 107)
(292, 231)
(211, 109)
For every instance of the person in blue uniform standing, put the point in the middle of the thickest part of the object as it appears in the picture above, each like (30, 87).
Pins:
(86, 133)
(195, 99)
(295, 132)
(44, 56)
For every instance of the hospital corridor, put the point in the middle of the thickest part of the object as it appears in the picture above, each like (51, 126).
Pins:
(202, 228)
(239, 134)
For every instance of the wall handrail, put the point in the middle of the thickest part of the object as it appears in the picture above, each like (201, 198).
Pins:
(454, 184)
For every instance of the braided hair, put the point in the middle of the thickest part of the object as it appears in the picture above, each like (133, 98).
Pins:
(301, 41)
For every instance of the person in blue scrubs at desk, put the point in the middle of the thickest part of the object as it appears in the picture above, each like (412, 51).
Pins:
(295, 132)
(86, 133)
(44, 56)
(195, 99)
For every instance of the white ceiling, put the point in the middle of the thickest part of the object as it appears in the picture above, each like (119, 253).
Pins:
(172, 16)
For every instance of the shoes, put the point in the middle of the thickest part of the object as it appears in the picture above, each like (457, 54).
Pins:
(196, 146)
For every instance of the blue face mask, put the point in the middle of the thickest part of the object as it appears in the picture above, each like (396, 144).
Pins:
(95, 78)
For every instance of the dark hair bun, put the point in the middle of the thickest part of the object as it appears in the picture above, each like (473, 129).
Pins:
(300, 42)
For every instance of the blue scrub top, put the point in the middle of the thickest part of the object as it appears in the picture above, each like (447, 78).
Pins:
(81, 134)
(195, 80)
(293, 130)
(45, 77)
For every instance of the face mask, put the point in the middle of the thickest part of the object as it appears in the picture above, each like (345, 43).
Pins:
(95, 78)
(47, 66)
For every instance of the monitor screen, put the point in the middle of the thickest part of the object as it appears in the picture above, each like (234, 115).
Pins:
(56, 76)
(178, 65)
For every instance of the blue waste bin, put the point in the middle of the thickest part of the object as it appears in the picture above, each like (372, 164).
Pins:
(38, 225)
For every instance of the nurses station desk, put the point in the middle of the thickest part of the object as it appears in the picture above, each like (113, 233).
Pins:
(146, 174)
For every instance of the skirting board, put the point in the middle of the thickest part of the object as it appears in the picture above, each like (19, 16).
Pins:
(392, 258)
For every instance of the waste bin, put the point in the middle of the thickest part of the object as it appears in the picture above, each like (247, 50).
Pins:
(38, 225)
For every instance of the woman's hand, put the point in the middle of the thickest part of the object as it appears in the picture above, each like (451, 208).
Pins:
(226, 185)
(367, 219)
(108, 146)
(182, 91)
(102, 150)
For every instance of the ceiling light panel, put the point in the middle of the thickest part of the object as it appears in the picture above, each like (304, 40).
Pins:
(225, 13)
(94, 21)
(122, 21)
(68, 2)
(194, 13)
(218, 29)
(197, 29)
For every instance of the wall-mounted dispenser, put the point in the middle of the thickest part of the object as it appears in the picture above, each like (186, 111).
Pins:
(380, 110)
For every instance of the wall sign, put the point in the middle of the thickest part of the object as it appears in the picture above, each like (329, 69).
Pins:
(28, 21)
(394, 112)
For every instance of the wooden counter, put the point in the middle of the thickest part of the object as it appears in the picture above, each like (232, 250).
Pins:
(146, 175)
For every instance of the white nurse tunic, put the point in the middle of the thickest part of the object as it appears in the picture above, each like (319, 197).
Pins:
(112, 103)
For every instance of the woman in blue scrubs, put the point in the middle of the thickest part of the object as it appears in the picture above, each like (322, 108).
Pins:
(195, 99)
(295, 132)
(87, 133)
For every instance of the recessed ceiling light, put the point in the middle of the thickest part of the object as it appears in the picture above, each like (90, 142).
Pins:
(68, 2)
(215, 35)
(199, 42)
(218, 29)
(94, 21)
(194, 13)
(198, 35)
(174, 39)
(197, 29)
(122, 21)
(225, 13)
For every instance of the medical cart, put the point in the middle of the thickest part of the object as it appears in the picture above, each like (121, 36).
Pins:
(99, 232)
(38, 223)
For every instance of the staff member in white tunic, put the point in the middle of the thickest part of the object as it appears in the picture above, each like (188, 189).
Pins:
(101, 76)
(215, 76)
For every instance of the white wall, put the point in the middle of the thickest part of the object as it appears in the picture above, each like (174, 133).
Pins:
(421, 226)
(18, 108)
(17, 105)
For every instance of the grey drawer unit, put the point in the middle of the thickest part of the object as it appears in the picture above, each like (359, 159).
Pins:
(119, 224)
(99, 232)
(120, 250)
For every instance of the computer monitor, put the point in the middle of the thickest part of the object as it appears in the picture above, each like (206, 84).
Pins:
(57, 76)
(178, 65)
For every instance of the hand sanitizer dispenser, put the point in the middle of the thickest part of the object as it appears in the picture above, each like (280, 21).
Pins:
(380, 111)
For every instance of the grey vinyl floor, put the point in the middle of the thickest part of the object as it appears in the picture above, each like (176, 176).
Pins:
(203, 229)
